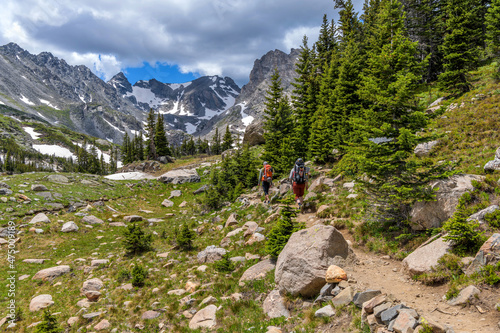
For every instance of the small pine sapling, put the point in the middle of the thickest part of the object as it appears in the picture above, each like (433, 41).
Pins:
(136, 241)
(225, 265)
(139, 275)
(185, 238)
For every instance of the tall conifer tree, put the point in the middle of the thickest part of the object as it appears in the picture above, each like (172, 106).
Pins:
(227, 141)
(160, 137)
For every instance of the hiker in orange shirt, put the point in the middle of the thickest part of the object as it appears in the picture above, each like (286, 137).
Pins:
(266, 177)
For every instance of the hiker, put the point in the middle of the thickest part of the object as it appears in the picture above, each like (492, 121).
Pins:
(266, 177)
(299, 176)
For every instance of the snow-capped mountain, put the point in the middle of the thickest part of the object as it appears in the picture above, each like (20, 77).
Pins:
(184, 106)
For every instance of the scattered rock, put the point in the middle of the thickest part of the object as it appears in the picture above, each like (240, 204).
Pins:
(466, 296)
(51, 273)
(231, 220)
(488, 254)
(326, 311)
(205, 318)
(180, 176)
(69, 227)
(431, 214)
(479, 216)
(133, 218)
(41, 302)
(102, 325)
(98, 262)
(335, 274)
(258, 271)
(345, 297)
(175, 194)
(40, 218)
(274, 305)
(424, 149)
(255, 238)
(426, 256)
(365, 296)
(211, 254)
(150, 315)
(167, 203)
(91, 219)
(39, 188)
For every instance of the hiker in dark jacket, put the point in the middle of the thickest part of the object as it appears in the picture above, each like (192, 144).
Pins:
(265, 176)
(299, 175)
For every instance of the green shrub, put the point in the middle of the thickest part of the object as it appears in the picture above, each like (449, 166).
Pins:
(224, 265)
(490, 274)
(283, 229)
(185, 238)
(135, 241)
(139, 275)
(493, 218)
(123, 275)
(48, 324)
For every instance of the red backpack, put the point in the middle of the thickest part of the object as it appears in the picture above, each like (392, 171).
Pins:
(267, 175)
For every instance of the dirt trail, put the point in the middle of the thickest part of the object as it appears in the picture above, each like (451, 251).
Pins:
(380, 272)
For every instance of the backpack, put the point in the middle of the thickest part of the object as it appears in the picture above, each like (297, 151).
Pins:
(299, 174)
(267, 175)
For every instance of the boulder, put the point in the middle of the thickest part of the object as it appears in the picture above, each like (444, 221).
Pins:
(167, 203)
(94, 284)
(133, 218)
(424, 149)
(426, 256)
(255, 238)
(432, 214)
(57, 179)
(345, 297)
(316, 185)
(175, 194)
(39, 188)
(41, 302)
(405, 322)
(211, 254)
(48, 274)
(326, 311)
(69, 227)
(150, 315)
(488, 254)
(205, 318)
(91, 219)
(40, 218)
(364, 296)
(250, 227)
(258, 271)
(254, 134)
(180, 176)
(303, 262)
(274, 305)
(102, 325)
(231, 220)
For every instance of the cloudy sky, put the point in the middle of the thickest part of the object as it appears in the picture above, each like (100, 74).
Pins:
(170, 40)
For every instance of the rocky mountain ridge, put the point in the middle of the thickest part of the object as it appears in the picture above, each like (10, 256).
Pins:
(50, 90)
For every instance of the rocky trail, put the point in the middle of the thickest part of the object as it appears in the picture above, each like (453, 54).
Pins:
(380, 272)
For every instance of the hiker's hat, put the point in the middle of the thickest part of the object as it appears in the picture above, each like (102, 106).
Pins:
(299, 161)
(265, 163)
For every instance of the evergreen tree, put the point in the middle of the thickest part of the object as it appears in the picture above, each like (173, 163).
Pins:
(460, 46)
(190, 147)
(139, 147)
(136, 241)
(304, 97)
(389, 127)
(278, 123)
(185, 237)
(215, 148)
(125, 148)
(150, 135)
(227, 140)
(493, 33)
(8, 165)
(160, 138)
(48, 324)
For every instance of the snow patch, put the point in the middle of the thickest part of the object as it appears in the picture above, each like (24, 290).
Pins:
(130, 176)
(42, 116)
(116, 128)
(2, 103)
(179, 85)
(48, 104)
(26, 100)
(246, 119)
(190, 128)
(55, 150)
(31, 131)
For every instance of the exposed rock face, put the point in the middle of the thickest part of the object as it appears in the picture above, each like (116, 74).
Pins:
(51, 82)
(302, 265)
(426, 215)
(254, 134)
(426, 256)
(180, 176)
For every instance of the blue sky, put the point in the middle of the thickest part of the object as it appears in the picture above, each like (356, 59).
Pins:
(171, 40)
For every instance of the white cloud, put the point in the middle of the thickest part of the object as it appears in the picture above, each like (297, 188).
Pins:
(293, 38)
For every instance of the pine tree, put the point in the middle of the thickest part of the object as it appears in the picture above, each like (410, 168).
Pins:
(160, 138)
(136, 241)
(493, 33)
(227, 140)
(389, 127)
(460, 46)
(125, 148)
(185, 237)
(304, 97)
(150, 134)
(48, 324)
(216, 145)
(278, 123)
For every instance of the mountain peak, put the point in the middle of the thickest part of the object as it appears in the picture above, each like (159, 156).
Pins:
(120, 83)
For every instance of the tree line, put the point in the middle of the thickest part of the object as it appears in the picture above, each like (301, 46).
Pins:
(154, 143)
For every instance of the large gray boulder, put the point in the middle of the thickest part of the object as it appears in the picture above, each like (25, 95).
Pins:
(180, 176)
(41, 302)
(274, 305)
(432, 214)
(205, 318)
(257, 271)
(48, 274)
(426, 256)
(212, 253)
(302, 265)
